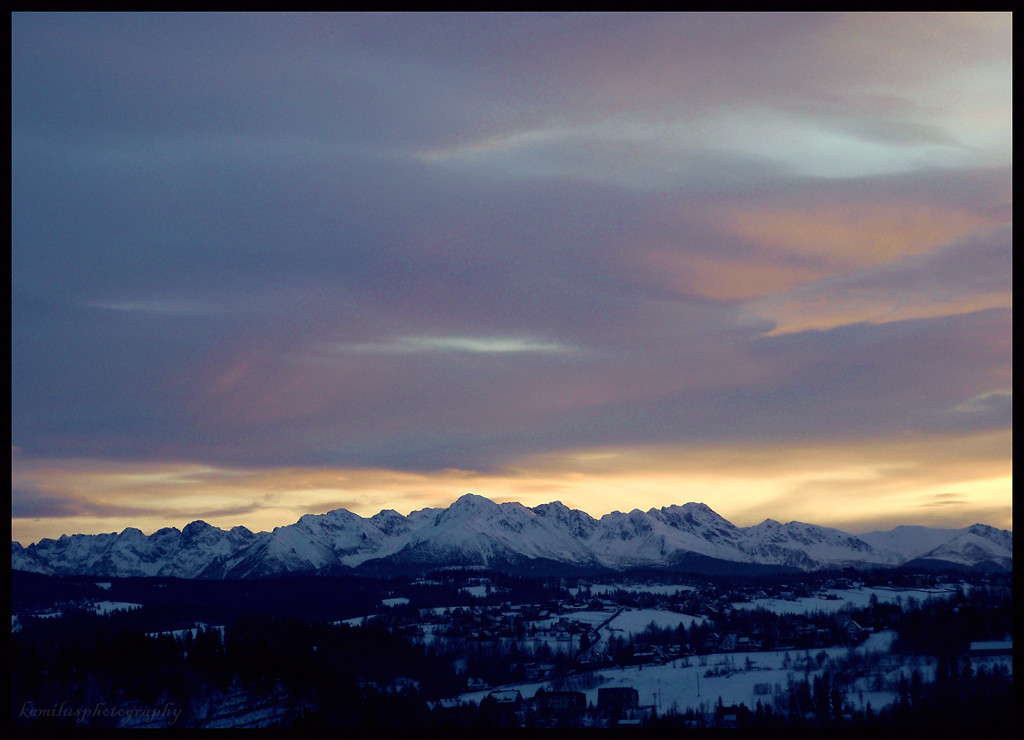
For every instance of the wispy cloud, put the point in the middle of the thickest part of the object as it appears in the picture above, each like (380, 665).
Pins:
(959, 277)
(473, 345)
(946, 499)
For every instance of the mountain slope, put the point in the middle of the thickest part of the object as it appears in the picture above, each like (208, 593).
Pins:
(475, 531)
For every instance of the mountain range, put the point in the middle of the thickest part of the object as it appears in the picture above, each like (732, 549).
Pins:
(475, 531)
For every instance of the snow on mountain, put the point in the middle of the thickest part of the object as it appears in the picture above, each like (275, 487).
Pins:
(477, 531)
(969, 546)
(803, 545)
(909, 541)
(976, 544)
(338, 538)
(167, 552)
(642, 538)
(576, 523)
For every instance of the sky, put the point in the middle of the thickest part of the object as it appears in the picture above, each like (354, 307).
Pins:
(271, 265)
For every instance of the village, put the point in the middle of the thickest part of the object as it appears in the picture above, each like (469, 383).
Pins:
(585, 629)
(475, 648)
(545, 663)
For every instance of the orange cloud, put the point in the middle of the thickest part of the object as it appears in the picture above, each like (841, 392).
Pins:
(821, 311)
(853, 235)
(774, 249)
(729, 278)
(874, 484)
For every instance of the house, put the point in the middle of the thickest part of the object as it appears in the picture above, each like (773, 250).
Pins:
(505, 697)
(854, 632)
(647, 654)
(561, 704)
(728, 643)
(710, 644)
(537, 671)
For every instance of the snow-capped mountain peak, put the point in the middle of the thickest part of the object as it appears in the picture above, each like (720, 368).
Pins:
(477, 531)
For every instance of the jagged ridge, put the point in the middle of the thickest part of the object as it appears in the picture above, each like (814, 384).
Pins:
(477, 531)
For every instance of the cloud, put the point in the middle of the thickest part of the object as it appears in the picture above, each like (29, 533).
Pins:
(945, 499)
(31, 504)
(960, 277)
(858, 485)
(425, 242)
(476, 345)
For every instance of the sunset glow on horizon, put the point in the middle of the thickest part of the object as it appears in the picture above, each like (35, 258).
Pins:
(268, 265)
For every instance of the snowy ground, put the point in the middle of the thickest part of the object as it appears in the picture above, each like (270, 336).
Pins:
(106, 607)
(740, 677)
(833, 600)
(634, 621)
(100, 607)
(736, 678)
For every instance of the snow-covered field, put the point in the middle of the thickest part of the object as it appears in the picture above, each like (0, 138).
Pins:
(699, 681)
(100, 607)
(106, 607)
(685, 683)
(834, 600)
(632, 621)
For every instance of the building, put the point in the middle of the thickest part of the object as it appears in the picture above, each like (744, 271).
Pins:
(503, 707)
(561, 704)
(728, 716)
(854, 632)
(615, 702)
